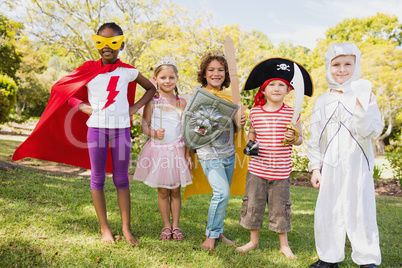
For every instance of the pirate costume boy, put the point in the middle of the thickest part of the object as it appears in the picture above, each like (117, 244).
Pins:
(270, 165)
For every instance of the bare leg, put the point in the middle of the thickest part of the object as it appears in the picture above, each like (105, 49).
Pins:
(253, 244)
(284, 246)
(175, 206)
(123, 197)
(164, 208)
(98, 198)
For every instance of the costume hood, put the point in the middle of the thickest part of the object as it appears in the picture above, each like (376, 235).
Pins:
(339, 49)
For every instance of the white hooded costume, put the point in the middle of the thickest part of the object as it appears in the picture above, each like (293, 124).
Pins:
(341, 148)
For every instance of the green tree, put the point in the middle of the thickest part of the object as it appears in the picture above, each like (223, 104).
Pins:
(383, 67)
(8, 93)
(9, 57)
(68, 24)
(373, 30)
(33, 93)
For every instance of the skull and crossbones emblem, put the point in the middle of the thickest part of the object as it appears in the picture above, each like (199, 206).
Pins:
(283, 67)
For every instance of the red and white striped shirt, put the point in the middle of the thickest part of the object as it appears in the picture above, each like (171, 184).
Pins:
(273, 161)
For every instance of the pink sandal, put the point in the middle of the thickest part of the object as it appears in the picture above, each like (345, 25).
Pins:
(167, 236)
(176, 236)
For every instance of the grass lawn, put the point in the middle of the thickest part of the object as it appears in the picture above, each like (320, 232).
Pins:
(48, 220)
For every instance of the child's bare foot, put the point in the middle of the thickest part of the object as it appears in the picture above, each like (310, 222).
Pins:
(208, 244)
(249, 246)
(225, 240)
(130, 238)
(287, 252)
(107, 236)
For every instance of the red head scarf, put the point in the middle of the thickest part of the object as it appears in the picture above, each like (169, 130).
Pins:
(260, 98)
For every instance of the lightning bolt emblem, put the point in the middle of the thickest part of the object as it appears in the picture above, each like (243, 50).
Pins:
(112, 91)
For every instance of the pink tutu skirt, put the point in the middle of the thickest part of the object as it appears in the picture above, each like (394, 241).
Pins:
(163, 165)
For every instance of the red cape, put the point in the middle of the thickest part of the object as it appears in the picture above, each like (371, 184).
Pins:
(61, 133)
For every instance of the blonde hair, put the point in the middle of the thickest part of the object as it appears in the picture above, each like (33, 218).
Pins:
(159, 69)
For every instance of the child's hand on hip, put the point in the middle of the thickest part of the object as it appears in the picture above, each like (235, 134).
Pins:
(85, 108)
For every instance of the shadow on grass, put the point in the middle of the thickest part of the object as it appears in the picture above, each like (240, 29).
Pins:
(21, 253)
(36, 204)
(7, 148)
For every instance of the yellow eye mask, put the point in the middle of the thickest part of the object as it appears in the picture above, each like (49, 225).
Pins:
(113, 42)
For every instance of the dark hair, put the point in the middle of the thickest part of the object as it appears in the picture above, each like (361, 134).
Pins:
(206, 60)
(111, 25)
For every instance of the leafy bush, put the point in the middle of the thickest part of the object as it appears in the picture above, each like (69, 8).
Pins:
(299, 162)
(388, 148)
(32, 98)
(138, 139)
(377, 173)
(8, 94)
(4, 105)
(395, 160)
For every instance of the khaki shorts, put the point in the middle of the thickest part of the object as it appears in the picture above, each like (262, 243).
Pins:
(258, 193)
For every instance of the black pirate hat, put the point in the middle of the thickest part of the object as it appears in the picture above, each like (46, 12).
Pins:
(281, 68)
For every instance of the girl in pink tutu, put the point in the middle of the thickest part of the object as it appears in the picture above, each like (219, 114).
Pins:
(165, 161)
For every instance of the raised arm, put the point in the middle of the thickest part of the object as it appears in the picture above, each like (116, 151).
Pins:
(367, 124)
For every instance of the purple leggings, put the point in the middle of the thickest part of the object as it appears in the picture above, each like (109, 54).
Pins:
(98, 140)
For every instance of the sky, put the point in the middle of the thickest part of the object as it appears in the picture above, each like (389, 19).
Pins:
(301, 22)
